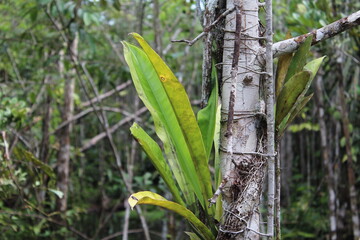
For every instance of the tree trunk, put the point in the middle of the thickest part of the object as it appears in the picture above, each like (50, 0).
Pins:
(242, 125)
(326, 157)
(349, 163)
(63, 159)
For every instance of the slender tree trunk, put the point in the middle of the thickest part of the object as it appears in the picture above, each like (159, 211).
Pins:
(157, 27)
(63, 159)
(242, 125)
(326, 157)
(350, 164)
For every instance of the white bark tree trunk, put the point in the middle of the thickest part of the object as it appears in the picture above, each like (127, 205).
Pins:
(242, 125)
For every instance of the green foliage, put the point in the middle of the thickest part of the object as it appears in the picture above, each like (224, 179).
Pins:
(206, 118)
(151, 198)
(176, 126)
(12, 111)
(293, 81)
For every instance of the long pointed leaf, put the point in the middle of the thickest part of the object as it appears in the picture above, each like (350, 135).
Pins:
(299, 59)
(207, 118)
(186, 119)
(153, 150)
(25, 155)
(151, 198)
(287, 121)
(153, 95)
(290, 94)
(282, 69)
(313, 66)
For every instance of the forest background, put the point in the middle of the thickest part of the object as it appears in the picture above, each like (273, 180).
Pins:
(66, 97)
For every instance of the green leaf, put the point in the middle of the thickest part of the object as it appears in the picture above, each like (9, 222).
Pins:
(58, 193)
(186, 119)
(299, 59)
(153, 95)
(290, 94)
(288, 120)
(151, 198)
(282, 69)
(193, 236)
(188, 142)
(87, 18)
(313, 66)
(153, 150)
(207, 118)
(21, 153)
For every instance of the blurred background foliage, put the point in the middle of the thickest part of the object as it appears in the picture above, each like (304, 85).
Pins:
(36, 61)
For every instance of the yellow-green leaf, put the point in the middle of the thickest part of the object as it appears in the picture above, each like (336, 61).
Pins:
(313, 66)
(290, 94)
(193, 236)
(283, 65)
(186, 119)
(287, 121)
(153, 95)
(151, 198)
(153, 151)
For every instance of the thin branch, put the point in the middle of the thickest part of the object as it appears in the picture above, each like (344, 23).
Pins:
(207, 29)
(292, 44)
(270, 143)
(101, 97)
(112, 129)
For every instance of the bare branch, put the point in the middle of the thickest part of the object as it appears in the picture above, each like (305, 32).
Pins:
(102, 135)
(207, 29)
(290, 45)
(107, 94)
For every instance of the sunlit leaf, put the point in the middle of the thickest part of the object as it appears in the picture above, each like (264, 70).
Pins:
(151, 198)
(153, 151)
(193, 236)
(195, 168)
(58, 193)
(153, 95)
